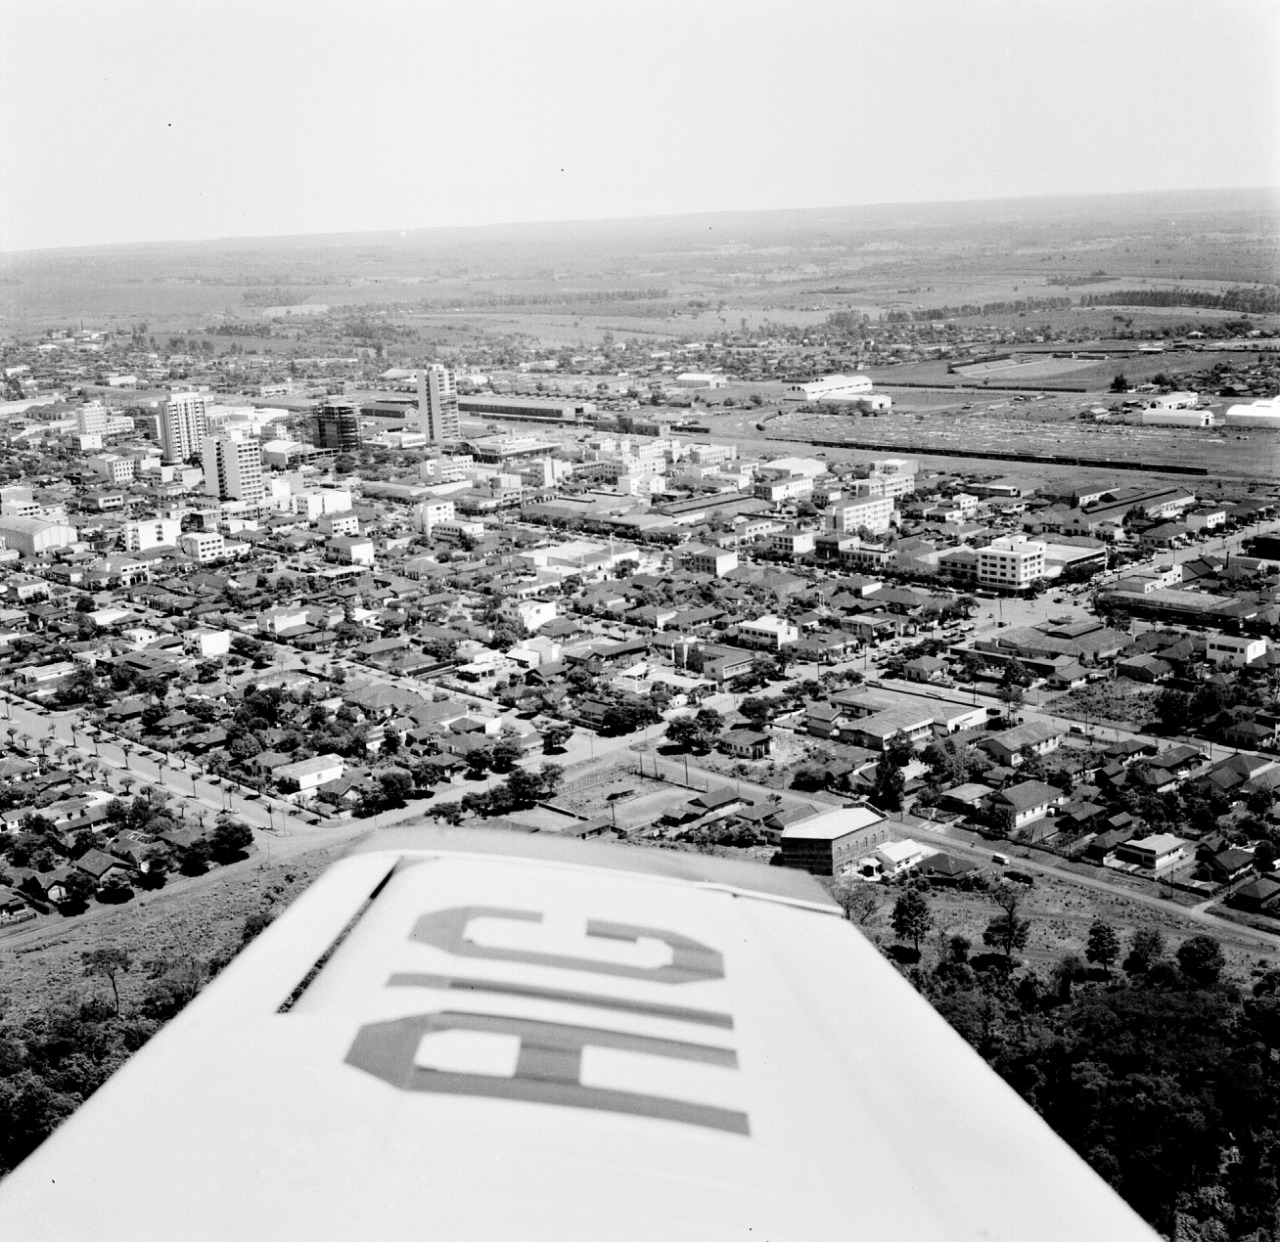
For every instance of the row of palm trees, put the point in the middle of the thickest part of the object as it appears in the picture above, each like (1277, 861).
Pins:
(90, 767)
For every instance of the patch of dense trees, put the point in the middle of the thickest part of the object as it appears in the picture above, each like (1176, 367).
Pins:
(569, 297)
(1164, 1075)
(520, 791)
(1017, 306)
(52, 1061)
(1249, 300)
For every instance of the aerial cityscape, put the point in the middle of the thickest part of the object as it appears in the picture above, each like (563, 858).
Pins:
(927, 546)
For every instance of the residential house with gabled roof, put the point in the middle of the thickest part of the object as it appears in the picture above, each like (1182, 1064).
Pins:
(824, 719)
(1258, 895)
(1228, 865)
(100, 866)
(1042, 736)
(1018, 805)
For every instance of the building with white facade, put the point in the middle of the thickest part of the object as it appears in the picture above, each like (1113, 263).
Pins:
(1011, 564)
(431, 513)
(206, 644)
(1153, 853)
(314, 504)
(848, 387)
(18, 502)
(1174, 401)
(1175, 416)
(793, 487)
(873, 512)
(350, 550)
(91, 419)
(769, 632)
(32, 536)
(147, 533)
(233, 469)
(307, 775)
(339, 524)
(202, 545)
(1234, 649)
(531, 613)
(712, 454)
(438, 404)
(114, 468)
(702, 560)
(792, 542)
(276, 621)
(183, 425)
(1262, 413)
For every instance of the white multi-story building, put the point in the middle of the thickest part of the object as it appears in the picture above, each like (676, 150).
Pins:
(1010, 564)
(531, 613)
(794, 487)
(448, 469)
(202, 545)
(91, 419)
(147, 533)
(431, 513)
(114, 468)
(18, 502)
(276, 620)
(315, 504)
(233, 469)
(438, 404)
(712, 454)
(873, 512)
(715, 561)
(768, 631)
(892, 486)
(183, 425)
(339, 524)
(792, 542)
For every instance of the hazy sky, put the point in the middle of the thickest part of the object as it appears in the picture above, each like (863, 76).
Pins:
(131, 120)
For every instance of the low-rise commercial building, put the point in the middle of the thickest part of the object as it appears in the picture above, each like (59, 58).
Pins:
(1154, 853)
(832, 842)
(1234, 649)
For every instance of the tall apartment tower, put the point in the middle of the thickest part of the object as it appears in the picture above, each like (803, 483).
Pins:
(233, 469)
(438, 404)
(338, 427)
(183, 425)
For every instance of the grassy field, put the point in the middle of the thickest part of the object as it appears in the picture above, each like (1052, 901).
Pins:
(1045, 428)
(1061, 913)
(195, 918)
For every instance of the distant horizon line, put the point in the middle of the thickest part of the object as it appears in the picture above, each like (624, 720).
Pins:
(637, 219)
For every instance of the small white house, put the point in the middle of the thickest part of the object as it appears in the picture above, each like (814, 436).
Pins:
(307, 775)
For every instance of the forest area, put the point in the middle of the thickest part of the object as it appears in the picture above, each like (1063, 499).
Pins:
(1157, 1066)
